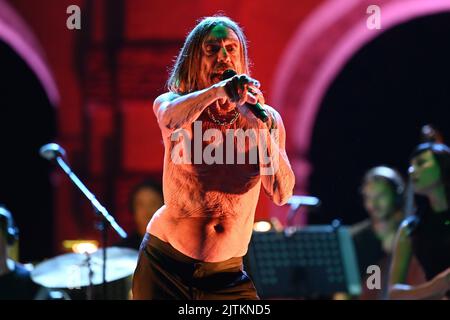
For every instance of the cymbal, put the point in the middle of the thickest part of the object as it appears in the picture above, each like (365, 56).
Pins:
(71, 270)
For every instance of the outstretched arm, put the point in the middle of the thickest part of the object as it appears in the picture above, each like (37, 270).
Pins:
(175, 111)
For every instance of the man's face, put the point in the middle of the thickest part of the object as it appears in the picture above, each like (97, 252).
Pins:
(221, 50)
(379, 199)
(425, 172)
(146, 202)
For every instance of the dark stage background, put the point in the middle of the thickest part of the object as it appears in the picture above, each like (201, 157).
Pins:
(373, 112)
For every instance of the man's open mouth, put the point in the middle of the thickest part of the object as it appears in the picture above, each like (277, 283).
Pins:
(217, 74)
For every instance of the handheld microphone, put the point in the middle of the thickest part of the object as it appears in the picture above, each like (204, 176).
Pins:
(257, 109)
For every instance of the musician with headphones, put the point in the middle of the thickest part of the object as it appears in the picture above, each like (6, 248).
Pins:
(383, 194)
(383, 191)
(15, 279)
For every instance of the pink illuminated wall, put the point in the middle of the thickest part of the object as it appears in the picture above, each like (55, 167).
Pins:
(15, 33)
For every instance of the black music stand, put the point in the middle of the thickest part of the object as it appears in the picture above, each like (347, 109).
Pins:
(311, 262)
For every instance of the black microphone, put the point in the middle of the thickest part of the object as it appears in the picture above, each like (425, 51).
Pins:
(257, 108)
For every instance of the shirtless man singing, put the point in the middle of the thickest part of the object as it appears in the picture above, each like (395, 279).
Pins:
(195, 242)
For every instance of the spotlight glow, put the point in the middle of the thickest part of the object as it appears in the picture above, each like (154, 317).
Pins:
(262, 226)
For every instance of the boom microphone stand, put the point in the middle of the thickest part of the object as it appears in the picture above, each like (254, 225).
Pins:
(53, 151)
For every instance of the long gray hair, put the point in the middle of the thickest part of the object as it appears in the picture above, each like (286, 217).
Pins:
(185, 73)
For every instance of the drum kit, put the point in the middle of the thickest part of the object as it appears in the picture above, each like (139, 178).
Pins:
(103, 274)
(79, 276)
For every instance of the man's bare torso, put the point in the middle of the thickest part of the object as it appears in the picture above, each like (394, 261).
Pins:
(209, 208)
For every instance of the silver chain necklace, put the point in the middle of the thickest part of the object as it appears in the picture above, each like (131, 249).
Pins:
(223, 123)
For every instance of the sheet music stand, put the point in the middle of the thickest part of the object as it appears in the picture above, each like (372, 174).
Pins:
(311, 262)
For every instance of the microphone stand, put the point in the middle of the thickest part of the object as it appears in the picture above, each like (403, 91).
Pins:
(89, 291)
(107, 219)
(293, 209)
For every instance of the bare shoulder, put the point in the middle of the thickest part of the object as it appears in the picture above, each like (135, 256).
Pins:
(274, 114)
(272, 111)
